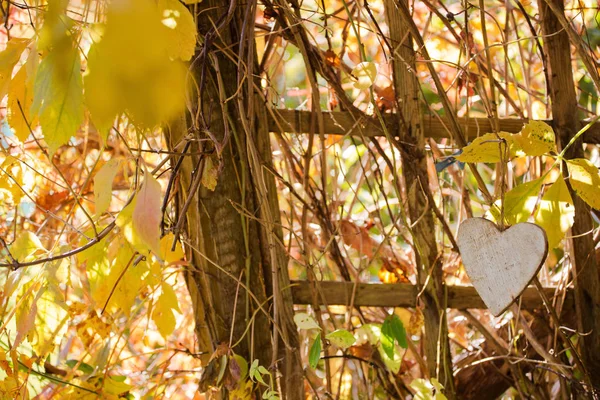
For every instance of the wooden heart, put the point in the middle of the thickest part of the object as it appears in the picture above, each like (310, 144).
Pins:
(501, 264)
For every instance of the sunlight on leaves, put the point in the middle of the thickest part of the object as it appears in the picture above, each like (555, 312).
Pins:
(537, 138)
(305, 321)
(556, 212)
(520, 202)
(585, 181)
(8, 59)
(163, 313)
(341, 338)
(20, 99)
(364, 74)
(182, 29)
(125, 65)
(147, 216)
(427, 389)
(487, 148)
(103, 182)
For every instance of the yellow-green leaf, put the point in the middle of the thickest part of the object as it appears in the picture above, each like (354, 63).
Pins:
(488, 148)
(25, 246)
(556, 212)
(130, 69)
(365, 74)
(103, 185)
(182, 29)
(58, 96)
(585, 181)
(341, 338)
(537, 138)
(8, 59)
(520, 201)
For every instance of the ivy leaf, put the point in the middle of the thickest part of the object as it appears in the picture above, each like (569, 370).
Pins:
(365, 74)
(103, 182)
(341, 338)
(585, 181)
(314, 355)
(146, 217)
(58, 96)
(182, 29)
(487, 148)
(537, 138)
(556, 212)
(305, 321)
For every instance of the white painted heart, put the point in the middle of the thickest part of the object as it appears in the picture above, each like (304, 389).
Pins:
(501, 264)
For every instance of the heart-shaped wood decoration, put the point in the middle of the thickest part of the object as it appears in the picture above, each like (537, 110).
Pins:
(501, 264)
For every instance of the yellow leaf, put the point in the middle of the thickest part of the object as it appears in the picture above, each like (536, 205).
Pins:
(166, 254)
(210, 174)
(130, 68)
(487, 148)
(120, 288)
(537, 138)
(25, 246)
(192, 1)
(27, 311)
(8, 59)
(585, 181)
(182, 29)
(365, 74)
(11, 178)
(103, 185)
(162, 314)
(556, 212)
(20, 99)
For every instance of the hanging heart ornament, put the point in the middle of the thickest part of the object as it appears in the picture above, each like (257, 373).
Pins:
(501, 264)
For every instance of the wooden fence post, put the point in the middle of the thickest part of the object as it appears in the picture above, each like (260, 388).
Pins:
(414, 168)
(566, 125)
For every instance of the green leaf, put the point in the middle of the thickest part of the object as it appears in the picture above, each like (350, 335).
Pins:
(585, 181)
(487, 148)
(314, 355)
(427, 389)
(537, 138)
(341, 338)
(398, 331)
(387, 338)
(81, 366)
(556, 212)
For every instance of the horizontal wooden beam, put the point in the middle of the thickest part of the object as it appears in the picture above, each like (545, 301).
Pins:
(405, 295)
(343, 123)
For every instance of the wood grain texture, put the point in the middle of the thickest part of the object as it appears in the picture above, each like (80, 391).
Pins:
(344, 123)
(405, 295)
(501, 264)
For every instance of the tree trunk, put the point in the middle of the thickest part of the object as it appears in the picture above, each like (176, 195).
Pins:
(232, 234)
(566, 125)
(414, 168)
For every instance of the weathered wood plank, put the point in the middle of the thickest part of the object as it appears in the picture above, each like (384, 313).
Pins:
(405, 295)
(342, 123)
